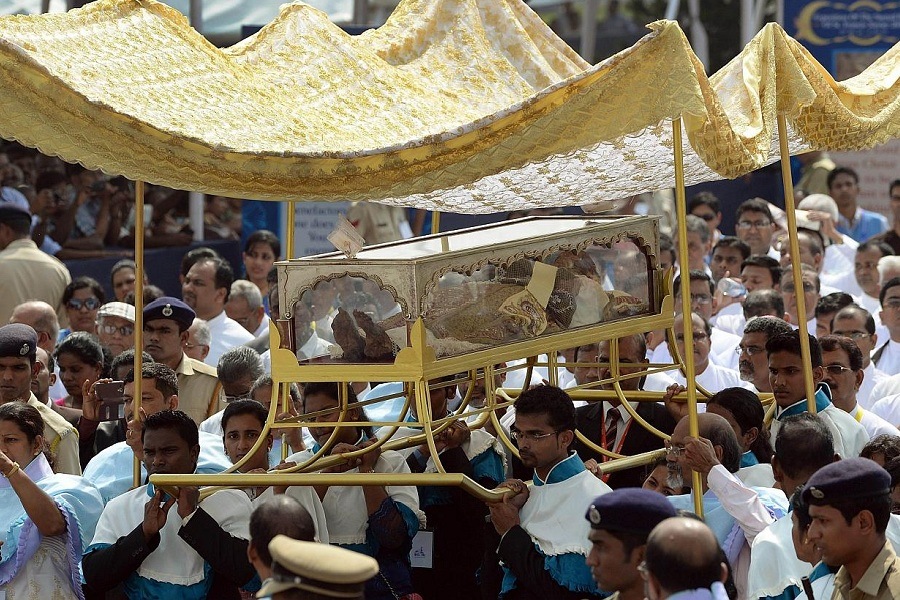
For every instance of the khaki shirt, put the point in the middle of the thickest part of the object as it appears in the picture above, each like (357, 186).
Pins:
(881, 581)
(200, 394)
(61, 438)
(28, 273)
(377, 223)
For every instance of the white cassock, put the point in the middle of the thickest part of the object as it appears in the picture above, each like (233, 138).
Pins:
(871, 377)
(715, 378)
(224, 334)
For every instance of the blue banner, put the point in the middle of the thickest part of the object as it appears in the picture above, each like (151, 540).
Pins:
(844, 37)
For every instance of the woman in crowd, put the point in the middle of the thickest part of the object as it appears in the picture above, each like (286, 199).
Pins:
(123, 277)
(262, 250)
(657, 479)
(46, 517)
(82, 299)
(80, 360)
(375, 520)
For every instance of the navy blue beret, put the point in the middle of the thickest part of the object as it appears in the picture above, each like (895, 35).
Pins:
(846, 480)
(18, 339)
(631, 510)
(170, 308)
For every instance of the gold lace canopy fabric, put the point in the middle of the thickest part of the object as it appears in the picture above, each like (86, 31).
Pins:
(459, 105)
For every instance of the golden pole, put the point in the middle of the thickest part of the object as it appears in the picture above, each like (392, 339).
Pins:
(435, 221)
(685, 270)
(289, 233)
(138, 312)
(796, 266)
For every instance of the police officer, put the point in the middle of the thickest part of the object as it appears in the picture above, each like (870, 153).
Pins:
(18, 365)
(620, 523)
(850, 506)
(305, 570)
(166, 321)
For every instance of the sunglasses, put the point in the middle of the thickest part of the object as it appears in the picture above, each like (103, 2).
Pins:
(91, 303)
(124, 330)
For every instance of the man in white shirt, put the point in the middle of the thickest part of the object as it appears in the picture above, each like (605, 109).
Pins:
(703, 303)
(826, 308)
(786, 376)
(206, 288)
(844, 374)
(812, 253)
(245, 307)
(755, 226)
(857, 324)
(711, 377)
(810, 289)
(887, 357)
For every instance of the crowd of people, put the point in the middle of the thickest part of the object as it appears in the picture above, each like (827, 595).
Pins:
(795, 504)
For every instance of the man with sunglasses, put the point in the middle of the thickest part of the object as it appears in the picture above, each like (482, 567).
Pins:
(115, 327)
(543, 555)
(25, 271)
(843, 374)
(755, 227)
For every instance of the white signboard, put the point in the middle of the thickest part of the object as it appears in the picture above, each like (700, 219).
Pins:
(877, 168)
(313, 222)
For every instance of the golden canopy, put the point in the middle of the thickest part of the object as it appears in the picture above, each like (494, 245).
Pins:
(459, 105)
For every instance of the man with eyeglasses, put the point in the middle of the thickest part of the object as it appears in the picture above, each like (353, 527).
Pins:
(608, 424)
(755, 227)
(166, 321)
(734, 511)
(115, 327)
(857, 323)
(703, 303)
(858, 223)
(844, 374)
(810, 290)
(543, 555)
(786, 376)
(712, 377)
(26, 272)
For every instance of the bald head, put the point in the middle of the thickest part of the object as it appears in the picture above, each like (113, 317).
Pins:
(683, 554)
(717, 430)
(42, 318)
(279, 515)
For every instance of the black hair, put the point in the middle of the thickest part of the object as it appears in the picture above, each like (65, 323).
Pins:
(79, 283)
(830, 343)
(125, 263)
(730, 241)
(695, 275)
(26, 417)
(630, 540)
(804, 445)
(764, 261)
(127, 357)
(790, 342)
(801, 509)
(151, 293)
(890, 283)
(49, 179)
(832, 175)
(817, 242)
(551, 401)
(833, 302)
(753, 205)
(704, 199)
(771, 326)
(761, 303)
(879, 245)
(331, 389)
(893, 184)
(748, 412)
(855, 310)
(244, 407)
(176, 420)
(194, 255)
(893, 468)
(83, 346)
(885, 444)
(281, 514)
(264, 236)
(165, 378)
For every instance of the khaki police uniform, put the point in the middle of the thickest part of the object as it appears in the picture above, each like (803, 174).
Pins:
(200, 394)
(377, 223)
(881, 581)
(61, 439)
(28, 273)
